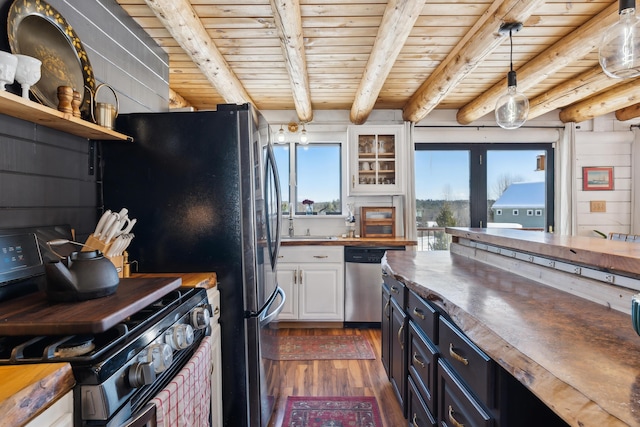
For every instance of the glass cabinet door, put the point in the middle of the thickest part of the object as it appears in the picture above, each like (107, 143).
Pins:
(374, 162)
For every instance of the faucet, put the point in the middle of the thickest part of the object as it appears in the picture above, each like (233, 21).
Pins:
(291, 231)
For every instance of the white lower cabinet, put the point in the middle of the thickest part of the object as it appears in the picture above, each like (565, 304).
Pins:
(313, 280)
(216, 359)
(60, 414)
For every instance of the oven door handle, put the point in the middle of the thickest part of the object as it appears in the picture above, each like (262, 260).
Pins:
(146, 417)
(267, 315)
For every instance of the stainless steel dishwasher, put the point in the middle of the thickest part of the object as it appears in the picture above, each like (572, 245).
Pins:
(363, 282)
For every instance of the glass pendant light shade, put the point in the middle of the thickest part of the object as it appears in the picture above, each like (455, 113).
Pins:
(512, 108)
(620, 47)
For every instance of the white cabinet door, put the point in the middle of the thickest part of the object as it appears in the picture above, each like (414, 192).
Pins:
(321, 295)
(313, 280)
(60, 414)
(376, 154)
(288, 280)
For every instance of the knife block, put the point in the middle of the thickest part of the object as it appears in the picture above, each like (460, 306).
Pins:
(94, 243)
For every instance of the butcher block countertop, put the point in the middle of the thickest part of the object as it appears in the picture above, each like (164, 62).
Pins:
(346, 241)
(27, 390)
(582, 359)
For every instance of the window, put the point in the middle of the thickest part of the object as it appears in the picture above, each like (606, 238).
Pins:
(317, 177)
(538, 212)
(516, 212)
(529, 212)
(498, 211)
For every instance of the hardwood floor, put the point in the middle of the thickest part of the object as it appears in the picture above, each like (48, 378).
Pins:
(339, 378)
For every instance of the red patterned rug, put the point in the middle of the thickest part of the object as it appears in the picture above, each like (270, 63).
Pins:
(361, 411)
(321, 347)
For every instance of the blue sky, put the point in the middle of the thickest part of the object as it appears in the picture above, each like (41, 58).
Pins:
(447, 172)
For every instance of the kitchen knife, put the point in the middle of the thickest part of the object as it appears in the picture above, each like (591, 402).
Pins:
(112, 231)
(101, 222)
(107, 226)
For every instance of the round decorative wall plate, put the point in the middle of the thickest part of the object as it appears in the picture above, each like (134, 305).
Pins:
(36, 29)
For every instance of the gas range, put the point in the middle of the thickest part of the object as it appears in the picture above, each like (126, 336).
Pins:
(123, 348)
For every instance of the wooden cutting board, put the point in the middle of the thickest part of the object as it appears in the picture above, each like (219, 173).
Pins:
(34, 315)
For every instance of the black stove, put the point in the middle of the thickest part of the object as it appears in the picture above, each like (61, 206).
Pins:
(119, 370)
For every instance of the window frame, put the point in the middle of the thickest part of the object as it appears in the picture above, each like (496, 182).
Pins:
(478, 173)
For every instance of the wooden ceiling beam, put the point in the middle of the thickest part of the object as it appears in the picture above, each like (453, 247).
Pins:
(176, 100)
(570, 91)
(628, 113)
(289, 23)
(568, 49)
(185, 27)
(467, 55)
(397, 23)
(620, 96)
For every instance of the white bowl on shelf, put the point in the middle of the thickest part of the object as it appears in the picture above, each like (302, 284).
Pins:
(8, 65)
(27, 72)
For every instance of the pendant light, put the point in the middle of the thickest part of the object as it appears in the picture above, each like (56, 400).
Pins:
(512, 108)
(620, 48)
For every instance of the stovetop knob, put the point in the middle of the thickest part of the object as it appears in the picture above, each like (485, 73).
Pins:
(179, 337)
(140, 374)
(159, 355)
(200, 317)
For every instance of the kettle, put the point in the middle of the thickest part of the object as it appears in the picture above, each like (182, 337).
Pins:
(102, 113)
(80, 276)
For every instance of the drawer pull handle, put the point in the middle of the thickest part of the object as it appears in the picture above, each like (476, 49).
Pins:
(418, 361)
(400, 340)
(216, 310)
(295, 277)
(456, 356)
(418, 313)
(394, 289)
(455, 422)
(414, 421)
(321, 256)
(386, 309)
(300, 277)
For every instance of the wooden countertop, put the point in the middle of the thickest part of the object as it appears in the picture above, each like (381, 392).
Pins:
(580, 358)
(345, 241)
(27, 390)
(195, 280)
(611, 255)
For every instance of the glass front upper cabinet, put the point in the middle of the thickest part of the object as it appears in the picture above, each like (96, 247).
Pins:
(375, 160)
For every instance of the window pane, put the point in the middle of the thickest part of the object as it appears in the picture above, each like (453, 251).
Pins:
(281, 153)
(515, 186)
(442, 195)
(318, 178)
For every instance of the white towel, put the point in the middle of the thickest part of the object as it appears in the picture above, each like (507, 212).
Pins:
(186, 401)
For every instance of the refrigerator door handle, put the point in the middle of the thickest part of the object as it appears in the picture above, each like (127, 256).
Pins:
(248, 314)
(266, 316)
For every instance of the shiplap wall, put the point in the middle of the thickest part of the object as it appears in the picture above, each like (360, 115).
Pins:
(602, 149)
(44, 174)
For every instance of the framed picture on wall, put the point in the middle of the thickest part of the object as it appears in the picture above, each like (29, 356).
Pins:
(597, 178)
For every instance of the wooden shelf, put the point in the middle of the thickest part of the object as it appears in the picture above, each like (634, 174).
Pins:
(25, 109)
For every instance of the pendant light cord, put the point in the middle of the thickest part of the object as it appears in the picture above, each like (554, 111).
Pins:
(511, 51)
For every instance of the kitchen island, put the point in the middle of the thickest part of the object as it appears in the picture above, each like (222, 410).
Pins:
(580, 357)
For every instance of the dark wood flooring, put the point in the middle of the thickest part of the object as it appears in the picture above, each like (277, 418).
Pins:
(339, 378)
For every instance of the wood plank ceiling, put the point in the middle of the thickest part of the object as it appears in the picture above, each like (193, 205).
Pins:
(413, 55)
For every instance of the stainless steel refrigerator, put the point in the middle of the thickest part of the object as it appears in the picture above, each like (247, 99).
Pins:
(204, 189)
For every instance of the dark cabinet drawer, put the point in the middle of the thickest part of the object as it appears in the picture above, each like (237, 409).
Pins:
(419, 414)
(456, 405)
(469, 362)
(396, 288)
(425, 316)
(422, 364)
